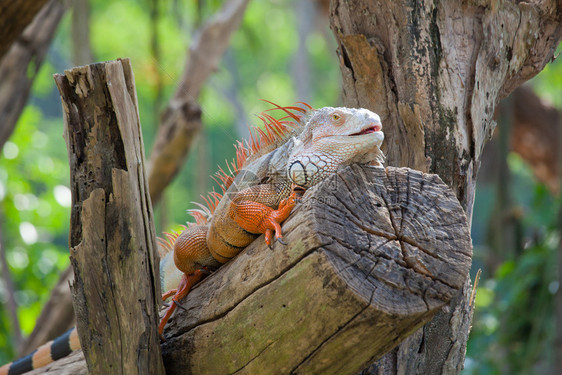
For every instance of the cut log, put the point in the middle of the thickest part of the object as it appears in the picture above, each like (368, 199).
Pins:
(371, 256)
(116, 291)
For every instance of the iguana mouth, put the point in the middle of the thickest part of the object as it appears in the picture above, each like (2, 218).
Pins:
(369, 130)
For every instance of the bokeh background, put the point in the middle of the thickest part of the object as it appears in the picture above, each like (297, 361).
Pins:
(283, 51)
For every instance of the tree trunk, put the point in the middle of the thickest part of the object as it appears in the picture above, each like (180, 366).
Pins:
(116, 289)
(434, 71)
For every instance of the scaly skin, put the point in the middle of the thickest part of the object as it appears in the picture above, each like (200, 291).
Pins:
(259, 199)
(262, 197)
(333, 138)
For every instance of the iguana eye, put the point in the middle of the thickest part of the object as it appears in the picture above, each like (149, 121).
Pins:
(336, 117)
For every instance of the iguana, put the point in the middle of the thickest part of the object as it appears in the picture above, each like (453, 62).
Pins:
(260, 188)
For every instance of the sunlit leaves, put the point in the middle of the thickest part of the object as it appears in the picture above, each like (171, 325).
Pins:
(10, 150)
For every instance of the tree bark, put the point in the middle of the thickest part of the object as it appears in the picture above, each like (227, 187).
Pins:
(14, 18)
(434, 71)
(116, 289)
(372, 255)
(22, 62)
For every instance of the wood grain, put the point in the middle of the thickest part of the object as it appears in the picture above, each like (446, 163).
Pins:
(372, 255)
(116, 290)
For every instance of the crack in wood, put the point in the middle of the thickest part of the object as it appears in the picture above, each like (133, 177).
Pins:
(408, 261)
(253, 358)
(183, 329)
(317, 348)
(405, 256)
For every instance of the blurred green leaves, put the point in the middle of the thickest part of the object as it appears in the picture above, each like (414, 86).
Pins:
(34, 222)
(34, 201)
(513, 326)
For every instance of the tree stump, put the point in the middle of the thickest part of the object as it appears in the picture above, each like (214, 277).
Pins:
(116, 290)
(372, 255)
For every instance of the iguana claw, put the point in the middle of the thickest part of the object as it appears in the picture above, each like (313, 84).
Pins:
(256, 217)
(187, 282)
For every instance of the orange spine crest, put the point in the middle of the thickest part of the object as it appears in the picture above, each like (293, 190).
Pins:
(167, 244)
(274, 130)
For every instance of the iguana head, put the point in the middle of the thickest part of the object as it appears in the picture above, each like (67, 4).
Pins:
(332, 138)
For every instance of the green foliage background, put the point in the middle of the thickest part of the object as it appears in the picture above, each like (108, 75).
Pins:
(514, 307)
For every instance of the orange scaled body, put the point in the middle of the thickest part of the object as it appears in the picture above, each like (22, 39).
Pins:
(269, 174)
(250, 206)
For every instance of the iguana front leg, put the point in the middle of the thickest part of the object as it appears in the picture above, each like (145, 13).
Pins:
(252, 213)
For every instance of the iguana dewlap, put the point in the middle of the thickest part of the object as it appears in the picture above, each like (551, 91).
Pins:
(275, 166)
